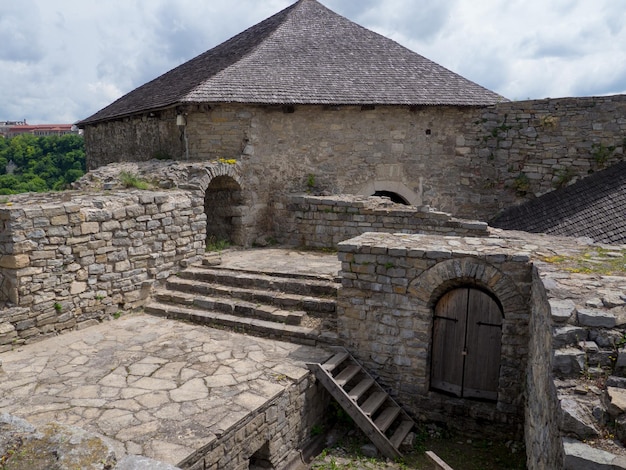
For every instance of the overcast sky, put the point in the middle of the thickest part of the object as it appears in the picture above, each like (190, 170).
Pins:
(63, 60)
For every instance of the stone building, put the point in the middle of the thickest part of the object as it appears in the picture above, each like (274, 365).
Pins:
(305, 100)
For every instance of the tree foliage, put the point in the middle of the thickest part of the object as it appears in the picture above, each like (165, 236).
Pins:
(42, 163)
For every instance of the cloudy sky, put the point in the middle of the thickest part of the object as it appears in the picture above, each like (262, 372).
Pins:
(62, 60)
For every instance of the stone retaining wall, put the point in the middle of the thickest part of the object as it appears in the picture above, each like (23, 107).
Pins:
(273, 434)
(391, 284)
(68, 260)
(542, 433)
(324, 221)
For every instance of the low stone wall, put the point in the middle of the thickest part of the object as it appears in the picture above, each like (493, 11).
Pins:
(272, 436)
(68, 260)
(324, 221)
(541, 426)
(391, 284)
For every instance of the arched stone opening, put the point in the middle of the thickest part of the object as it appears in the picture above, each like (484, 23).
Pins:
(395, 197)
(466, 344)
(459, 294)
(223, 205)
(394, 189)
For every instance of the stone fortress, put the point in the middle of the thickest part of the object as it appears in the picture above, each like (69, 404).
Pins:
(245, 144)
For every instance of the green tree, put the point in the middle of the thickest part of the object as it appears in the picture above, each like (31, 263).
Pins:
(42, 163)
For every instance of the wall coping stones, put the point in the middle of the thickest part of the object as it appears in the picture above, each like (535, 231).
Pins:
(580, 456)
(596, 318)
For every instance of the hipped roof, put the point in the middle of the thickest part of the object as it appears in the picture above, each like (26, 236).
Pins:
(305, 54)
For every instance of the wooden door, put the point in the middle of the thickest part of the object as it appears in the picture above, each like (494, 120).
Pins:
(467, 331)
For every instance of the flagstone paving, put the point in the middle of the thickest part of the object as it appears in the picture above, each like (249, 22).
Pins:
(155, 387)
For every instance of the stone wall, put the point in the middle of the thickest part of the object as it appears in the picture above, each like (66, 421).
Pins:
(138, 138)
(68, 260)
(542, 433)
(520, 149)
(385, 312)
(273, 434)
(324, 221)
(471, 162)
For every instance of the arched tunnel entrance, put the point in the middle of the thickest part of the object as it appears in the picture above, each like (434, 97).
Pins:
(223, 207)
(395, 197)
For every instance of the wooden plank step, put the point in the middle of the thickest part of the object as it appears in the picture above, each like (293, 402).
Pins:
(374, 402)
(360, 388)
(335, 361)
(437, 461)
(362, 421)
(400, 433)
(387, 417)
(347, 374)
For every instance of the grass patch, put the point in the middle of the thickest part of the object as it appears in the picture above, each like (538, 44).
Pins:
(216, 244)
(130, 180)
(457, 451)
(596, 260)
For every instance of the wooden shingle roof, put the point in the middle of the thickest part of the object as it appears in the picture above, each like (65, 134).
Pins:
(593, 207)
(305, 54)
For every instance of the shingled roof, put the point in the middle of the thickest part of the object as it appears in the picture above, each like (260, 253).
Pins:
(305, 54)
(593, 207)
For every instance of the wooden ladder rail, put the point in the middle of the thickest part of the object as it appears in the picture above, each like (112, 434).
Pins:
(362, 420)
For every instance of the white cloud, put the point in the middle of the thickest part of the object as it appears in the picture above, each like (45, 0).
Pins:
(65, 59)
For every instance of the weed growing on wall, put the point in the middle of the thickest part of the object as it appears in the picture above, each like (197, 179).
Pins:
(130, 180)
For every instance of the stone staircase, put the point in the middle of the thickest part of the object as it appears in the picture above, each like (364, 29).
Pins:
(284, 306)
(381, 419)
(590, 378)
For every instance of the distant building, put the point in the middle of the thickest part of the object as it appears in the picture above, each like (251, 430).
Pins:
(15, 128)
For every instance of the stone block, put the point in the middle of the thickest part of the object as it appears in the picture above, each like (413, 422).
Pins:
(577, 419)
(568, 335)
(78, 288)
(596, 318)
(568, 362)
(561, 310)
(620, 363)
(615, 401)
(580, 456)
(87, 228)
(14, 261)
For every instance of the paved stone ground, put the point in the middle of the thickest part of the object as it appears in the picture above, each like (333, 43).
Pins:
(156, 387)
(286, 261)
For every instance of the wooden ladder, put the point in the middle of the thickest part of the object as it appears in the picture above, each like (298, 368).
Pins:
(372, 409)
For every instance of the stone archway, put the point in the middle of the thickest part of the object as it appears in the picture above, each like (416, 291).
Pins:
(223, 202)
(395, 197)
(434, 284)
(389, 188)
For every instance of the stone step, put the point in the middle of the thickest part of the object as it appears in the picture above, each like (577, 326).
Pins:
(312, 305)
(230, 306)
(289, 284)
(253, 326)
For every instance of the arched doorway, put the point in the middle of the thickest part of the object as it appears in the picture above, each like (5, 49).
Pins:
(395, 197)
(222, 204)
(466, 344)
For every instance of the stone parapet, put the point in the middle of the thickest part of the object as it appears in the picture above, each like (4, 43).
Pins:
(69, 260)
(324, 221)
